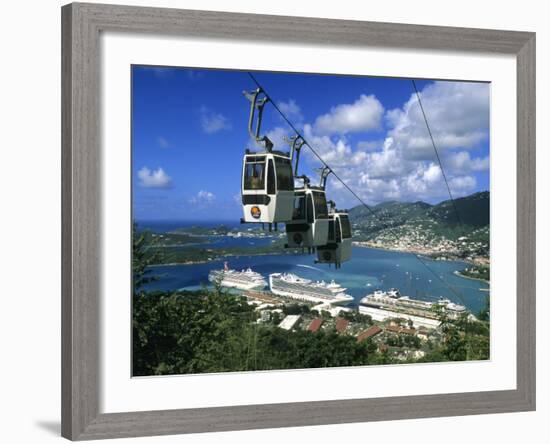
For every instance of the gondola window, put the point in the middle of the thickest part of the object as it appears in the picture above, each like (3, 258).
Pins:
(346, 228)
(254, 178)
(285, 181)
(320, 203)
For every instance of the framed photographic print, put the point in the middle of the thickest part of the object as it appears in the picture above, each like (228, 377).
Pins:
(285, 224)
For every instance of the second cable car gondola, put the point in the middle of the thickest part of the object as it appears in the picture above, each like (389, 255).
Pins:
(338, 247)
(310, 220)
(267, 187)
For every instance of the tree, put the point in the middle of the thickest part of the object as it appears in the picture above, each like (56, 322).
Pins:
(464, 338)
(190, 332)
(296, 309)
(484, 314)
(142, 259)
(455, 347)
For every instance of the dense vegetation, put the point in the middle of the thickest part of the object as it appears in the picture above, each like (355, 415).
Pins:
(210, 331)
(462, 339)
(477, 272)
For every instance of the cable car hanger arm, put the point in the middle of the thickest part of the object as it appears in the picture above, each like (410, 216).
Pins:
(258, 104)
(296, 143)
(325, 172)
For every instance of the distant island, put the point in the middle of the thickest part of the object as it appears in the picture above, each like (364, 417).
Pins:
(192, 245)
(419, 227)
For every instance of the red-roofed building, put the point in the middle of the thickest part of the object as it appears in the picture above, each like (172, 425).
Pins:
(369, 333)
(315, 325)
(341, 325)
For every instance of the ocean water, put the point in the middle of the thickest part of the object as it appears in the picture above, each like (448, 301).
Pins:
(163, 226)
(369, 269)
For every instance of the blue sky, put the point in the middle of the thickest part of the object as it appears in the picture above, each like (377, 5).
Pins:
(189, 133)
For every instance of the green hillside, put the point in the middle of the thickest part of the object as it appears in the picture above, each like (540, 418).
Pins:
(424, 227)
(473, 210)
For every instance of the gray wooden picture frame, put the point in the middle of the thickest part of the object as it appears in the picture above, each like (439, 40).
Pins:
(81, 172)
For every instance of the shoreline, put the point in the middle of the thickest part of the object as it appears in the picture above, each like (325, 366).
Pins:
(427, 255)
(218, 258)
(458, 273)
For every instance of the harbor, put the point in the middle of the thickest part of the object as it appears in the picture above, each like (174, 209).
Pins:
(397, 325)
(368, 270)
(331, 298)
(361, 301)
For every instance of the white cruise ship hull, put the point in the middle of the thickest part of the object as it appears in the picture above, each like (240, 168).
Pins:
(245, 280)
(380, 315)
(305, 294)
(386, 305)
(241, 285)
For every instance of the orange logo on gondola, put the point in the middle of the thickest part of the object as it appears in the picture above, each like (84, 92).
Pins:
(255, 212)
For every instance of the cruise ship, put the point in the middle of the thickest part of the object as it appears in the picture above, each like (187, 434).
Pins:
(295, 287)
(242, 280)
(382, 305)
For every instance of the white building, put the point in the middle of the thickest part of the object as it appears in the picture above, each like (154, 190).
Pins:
(289, 322)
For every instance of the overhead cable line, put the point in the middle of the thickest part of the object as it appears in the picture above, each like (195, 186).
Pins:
(437, 153)
(390, 228)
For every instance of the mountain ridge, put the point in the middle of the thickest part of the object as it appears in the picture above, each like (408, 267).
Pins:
(430, 228)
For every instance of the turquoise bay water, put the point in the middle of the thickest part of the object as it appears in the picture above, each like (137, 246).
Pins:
(369, 269)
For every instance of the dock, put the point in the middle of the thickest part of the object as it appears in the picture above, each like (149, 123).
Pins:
(262, 296)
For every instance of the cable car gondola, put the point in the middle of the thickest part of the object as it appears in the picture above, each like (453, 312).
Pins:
(338, 247)
(310, 220)
(267, 187)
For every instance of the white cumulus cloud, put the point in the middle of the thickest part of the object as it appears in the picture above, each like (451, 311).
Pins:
(370, 145)
(458, 115)
(461, 185)
(154, 178)
(291, 110)
(203, 197)
(461, 162)
(336, 151)
(363, 115)
(212, 122)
